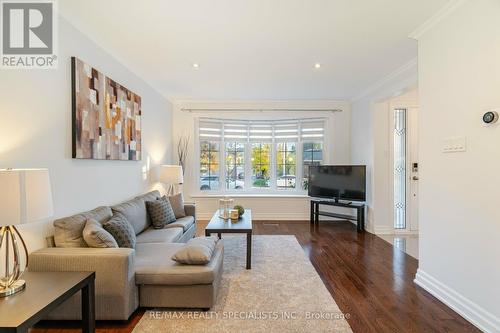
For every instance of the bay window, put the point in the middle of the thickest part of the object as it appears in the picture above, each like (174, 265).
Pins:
(258, 156)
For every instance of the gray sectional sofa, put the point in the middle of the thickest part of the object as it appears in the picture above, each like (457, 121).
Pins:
(128, 278)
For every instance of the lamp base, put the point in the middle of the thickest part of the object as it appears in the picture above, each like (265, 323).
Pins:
(14, 288)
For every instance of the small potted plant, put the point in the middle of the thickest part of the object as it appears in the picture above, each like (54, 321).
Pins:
(240, 210)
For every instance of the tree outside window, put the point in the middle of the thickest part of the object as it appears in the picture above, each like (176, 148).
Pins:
(209, 165)
(261, 164)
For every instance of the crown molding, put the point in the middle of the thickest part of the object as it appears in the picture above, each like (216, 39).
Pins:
(447, 9)
(409, 66)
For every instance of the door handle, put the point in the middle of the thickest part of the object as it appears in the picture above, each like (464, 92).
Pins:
(415, 178)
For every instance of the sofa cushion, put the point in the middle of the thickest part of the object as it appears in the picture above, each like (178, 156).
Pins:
(184, 222)
(160, 212)
(68, 231)
(190, 209)
(152, 235)
(96, 236)
(150, 196)
(122, 231)
(177, 203)
(197, 251)
(154, 266)
(135, 212)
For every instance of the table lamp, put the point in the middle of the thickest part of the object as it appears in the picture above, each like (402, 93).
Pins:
(171, 175)
(25, 196)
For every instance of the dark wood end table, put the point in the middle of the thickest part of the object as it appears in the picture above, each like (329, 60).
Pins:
(44, 292)
(242, 226)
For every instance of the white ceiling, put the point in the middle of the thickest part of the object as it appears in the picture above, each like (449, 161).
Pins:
(255, 49)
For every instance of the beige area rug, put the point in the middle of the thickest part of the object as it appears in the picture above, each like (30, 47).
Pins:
(281, 293)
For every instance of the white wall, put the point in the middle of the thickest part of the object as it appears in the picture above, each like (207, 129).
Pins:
(380, 204)
(459, 77)
(270, 207)
(35, 132)
(368, 131)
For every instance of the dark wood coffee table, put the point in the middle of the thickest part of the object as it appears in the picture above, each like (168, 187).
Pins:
(242, 226)
(44, 292)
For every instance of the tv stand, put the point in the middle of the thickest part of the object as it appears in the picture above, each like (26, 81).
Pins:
(360, 211)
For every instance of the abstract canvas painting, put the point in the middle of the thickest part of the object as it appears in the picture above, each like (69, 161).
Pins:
(106, 116)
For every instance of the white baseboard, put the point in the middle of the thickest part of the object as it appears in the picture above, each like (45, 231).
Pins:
(271, 217)
(472, 312)
(392, 231)
(264, 217)
(406, 232)
(383, 230)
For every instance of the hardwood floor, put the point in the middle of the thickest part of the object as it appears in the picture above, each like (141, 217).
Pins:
(368, 278)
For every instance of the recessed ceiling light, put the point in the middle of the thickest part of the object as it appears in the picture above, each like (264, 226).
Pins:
(317, 65)
(196, 65)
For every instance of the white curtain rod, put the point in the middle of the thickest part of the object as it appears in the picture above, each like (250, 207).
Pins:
(255, 121)
(258, 110)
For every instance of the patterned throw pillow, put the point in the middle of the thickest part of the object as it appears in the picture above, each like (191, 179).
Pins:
(160, 212)
(121, 230)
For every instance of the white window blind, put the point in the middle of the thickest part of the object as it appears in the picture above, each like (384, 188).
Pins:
(210, 130)
(311, 130)
(286, 131)
(261, 131)
(235, 131)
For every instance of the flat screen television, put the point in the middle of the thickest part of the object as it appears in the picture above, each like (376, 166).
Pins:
(339, 182)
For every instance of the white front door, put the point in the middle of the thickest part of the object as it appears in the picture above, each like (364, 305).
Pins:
(413, 169)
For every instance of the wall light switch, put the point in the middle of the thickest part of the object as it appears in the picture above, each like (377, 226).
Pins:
(454, 144)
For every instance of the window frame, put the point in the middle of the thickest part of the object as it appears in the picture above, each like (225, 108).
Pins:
(250, 145)
(235, 153)
(248, 187)
(219, 153)
(311, 141)
(279, 165)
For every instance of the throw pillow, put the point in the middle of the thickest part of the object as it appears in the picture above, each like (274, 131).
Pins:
(160, 212)
(177, 203)
(121, 230)
(197, 251)
(95, 235)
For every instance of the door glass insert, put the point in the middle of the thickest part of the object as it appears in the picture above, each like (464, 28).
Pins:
(400, 137)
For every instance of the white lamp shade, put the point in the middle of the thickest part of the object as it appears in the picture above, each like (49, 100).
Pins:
(171, 174)
(25, 196)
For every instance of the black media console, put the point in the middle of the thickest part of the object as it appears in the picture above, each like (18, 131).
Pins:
(359, 218)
